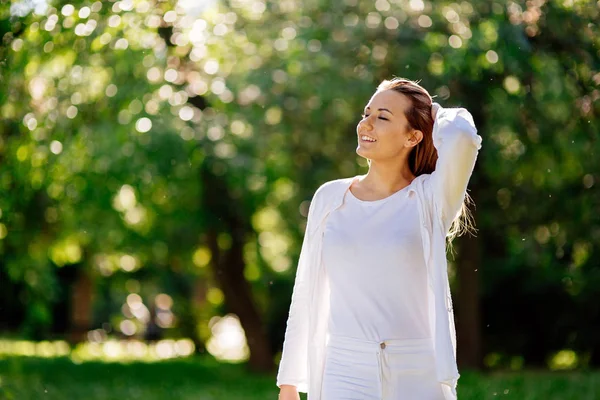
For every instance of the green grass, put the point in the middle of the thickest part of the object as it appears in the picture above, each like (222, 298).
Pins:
(61, 379)
(24, 378)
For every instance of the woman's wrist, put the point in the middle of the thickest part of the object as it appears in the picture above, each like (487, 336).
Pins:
(288, 388)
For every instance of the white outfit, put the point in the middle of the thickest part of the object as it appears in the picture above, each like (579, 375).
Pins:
(373, 257)
(439, 197)
(402, 369)
(379, 344)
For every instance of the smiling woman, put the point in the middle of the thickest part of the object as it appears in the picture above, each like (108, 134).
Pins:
(398, 108)
(371, 314)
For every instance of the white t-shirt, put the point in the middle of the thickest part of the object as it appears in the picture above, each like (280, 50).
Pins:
(373, 257)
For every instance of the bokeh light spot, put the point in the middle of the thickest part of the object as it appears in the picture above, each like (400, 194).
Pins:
(56, 147)
(491, 56)
(143, 125)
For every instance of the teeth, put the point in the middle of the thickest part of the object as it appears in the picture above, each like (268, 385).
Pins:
(368, 138)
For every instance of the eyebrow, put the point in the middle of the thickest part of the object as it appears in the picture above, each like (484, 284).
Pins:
(380, 109)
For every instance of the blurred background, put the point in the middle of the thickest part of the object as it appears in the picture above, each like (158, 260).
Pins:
(158, 157)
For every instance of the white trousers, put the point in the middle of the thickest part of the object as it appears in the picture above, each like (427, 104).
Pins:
(401, 369)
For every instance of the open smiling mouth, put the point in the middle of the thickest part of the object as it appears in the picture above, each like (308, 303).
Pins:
(365, 138)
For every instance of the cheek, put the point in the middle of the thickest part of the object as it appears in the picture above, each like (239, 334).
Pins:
(394, 139)
(391, 132)
(400, 133)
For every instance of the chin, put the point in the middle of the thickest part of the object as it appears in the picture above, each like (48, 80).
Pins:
(362, 152)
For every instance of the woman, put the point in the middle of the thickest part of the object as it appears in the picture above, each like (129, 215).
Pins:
(371, 314)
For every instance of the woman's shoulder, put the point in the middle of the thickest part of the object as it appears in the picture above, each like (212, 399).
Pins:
(334, 187)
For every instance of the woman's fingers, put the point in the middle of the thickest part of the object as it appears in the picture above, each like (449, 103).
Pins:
(434, 110)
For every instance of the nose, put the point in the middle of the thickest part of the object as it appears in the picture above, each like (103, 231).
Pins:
(365, 124)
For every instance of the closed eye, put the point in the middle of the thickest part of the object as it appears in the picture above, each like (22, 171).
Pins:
(365, 116)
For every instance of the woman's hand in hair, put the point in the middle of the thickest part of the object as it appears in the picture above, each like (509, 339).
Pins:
(434, 110)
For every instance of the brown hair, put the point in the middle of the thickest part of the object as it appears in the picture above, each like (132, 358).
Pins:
(423, 157)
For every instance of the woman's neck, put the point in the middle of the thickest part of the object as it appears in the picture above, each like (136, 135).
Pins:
(385, 181)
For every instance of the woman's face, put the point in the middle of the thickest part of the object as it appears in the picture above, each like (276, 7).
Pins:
(384, 121)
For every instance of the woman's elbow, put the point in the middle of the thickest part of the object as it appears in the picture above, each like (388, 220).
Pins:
(468, 138)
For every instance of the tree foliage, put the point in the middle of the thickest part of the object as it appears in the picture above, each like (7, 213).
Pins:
(144, 141)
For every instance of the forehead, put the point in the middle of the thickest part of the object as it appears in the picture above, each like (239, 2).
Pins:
(396, 102)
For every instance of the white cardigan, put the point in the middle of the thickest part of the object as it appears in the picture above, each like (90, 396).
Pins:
(440, 196)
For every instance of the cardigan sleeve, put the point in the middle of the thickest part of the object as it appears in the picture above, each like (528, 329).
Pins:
(457, 143)
(293, 367)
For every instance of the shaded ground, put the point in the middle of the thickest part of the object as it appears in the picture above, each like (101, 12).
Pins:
(202, 379)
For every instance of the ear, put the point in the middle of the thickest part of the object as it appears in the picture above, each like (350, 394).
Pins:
(414, 138)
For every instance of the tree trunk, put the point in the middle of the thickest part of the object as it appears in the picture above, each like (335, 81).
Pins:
(228, 270)
(468, 309)
(81, 306)
(468, 305)
(228, 266)
(198, 303)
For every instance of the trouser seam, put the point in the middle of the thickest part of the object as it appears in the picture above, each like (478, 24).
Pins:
(380, 362)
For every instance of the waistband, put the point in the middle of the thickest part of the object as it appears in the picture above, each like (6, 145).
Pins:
(389, 345)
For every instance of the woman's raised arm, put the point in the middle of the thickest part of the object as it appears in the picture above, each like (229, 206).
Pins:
(457, 143)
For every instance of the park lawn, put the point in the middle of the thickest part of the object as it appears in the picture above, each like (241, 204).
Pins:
(25, 378)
